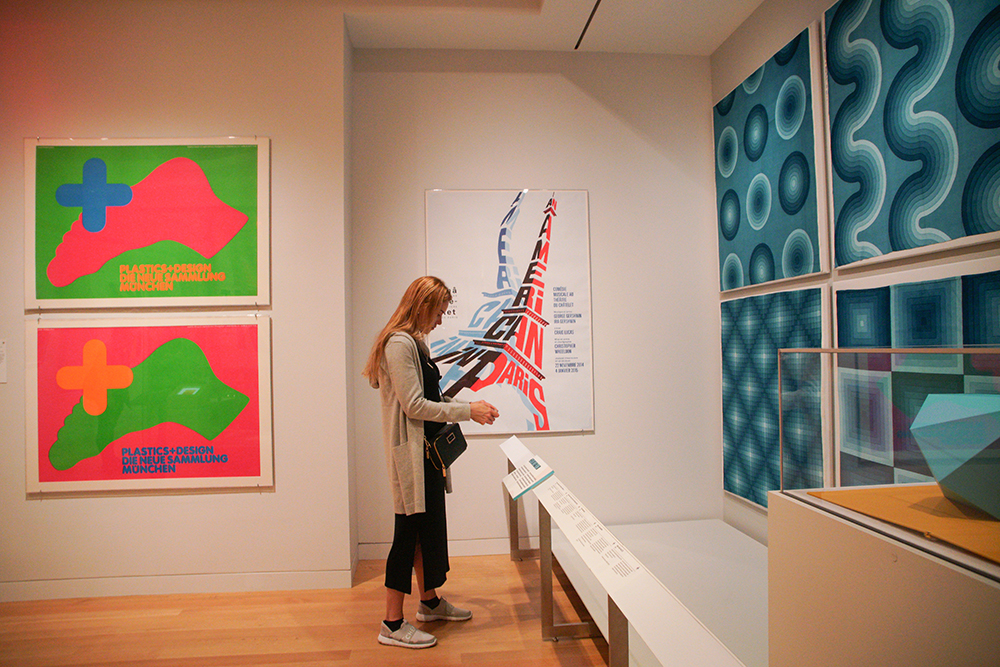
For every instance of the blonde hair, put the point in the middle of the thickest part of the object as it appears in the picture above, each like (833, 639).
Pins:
(422, 296)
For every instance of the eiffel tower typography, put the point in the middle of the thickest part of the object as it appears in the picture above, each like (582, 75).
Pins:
(510, 350)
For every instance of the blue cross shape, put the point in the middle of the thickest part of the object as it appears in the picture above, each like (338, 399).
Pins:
(94, 194)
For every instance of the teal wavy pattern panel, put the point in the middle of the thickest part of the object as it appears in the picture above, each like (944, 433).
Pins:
(765, 175)
(915, 123)
(753, 330)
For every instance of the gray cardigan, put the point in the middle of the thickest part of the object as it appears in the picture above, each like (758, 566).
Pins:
(404, 410)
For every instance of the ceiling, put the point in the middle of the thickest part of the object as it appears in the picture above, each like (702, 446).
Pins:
(676, 27)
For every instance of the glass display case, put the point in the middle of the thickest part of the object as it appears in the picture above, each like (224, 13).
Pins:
(907, 437)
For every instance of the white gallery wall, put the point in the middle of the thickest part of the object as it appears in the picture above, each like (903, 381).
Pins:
(347, 236)
(192, 69)
(636, 133)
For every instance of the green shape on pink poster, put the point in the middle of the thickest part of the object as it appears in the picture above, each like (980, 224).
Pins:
(173, 384)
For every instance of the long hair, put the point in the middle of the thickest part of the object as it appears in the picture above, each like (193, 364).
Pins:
(422, 296)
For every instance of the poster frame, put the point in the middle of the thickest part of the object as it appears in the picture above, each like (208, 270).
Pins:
(36, 487)
(504, 426)
(262, 297)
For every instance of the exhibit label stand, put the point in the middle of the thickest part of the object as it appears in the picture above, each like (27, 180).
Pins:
(635, 596)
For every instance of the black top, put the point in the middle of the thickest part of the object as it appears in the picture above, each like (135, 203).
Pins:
(432, 391)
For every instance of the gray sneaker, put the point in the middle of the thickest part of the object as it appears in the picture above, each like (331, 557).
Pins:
(407, 636)
(445, 611)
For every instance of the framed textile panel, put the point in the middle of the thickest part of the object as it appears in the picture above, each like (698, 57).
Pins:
(879, 395)
(753, 330)
(914, 105)
(766, 173)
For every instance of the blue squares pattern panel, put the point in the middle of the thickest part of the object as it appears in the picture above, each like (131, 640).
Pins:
(981, 303)
(915, 123)
(880, 395)
(753, 330)
(765, 175)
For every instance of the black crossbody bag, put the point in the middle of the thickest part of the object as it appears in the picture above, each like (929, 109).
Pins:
(447, 445)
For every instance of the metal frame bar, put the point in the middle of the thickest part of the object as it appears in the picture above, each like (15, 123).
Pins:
(552, 631)
(514, 530)
(617, 636)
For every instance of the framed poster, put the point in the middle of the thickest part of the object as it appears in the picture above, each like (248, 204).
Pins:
(148, 404)
(914, 126)
(146, 222)
(767, 173)
(518, 333)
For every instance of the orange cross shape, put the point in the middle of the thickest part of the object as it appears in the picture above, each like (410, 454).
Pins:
(94, 377)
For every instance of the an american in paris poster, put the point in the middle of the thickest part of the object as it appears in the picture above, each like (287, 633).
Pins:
(518, 333)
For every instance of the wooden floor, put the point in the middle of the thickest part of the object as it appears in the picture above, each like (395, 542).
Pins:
(329, 627)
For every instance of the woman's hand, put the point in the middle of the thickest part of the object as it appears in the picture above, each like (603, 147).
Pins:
(484, 413)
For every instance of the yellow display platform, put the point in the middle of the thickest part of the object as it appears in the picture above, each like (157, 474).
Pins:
(923, 508)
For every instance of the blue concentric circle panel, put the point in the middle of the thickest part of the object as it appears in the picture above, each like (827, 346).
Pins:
(765, 159)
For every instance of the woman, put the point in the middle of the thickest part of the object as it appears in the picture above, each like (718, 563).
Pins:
(400, 367)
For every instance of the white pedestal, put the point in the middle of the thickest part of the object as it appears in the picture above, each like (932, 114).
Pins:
(846, 592)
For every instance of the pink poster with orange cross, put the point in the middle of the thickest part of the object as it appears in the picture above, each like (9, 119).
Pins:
(148, 404)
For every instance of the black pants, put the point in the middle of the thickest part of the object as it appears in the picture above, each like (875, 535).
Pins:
(430, 530)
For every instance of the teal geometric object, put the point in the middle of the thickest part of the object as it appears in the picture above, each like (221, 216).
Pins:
(959, 435)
